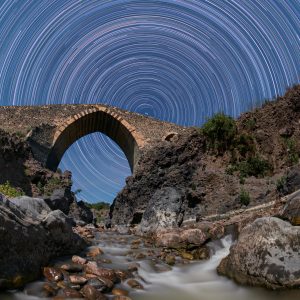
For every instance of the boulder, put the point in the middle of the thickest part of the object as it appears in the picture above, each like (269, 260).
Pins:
(181, 239)
(29, 242)
(163, 211)
(265, 254)
(291, 210)
(32, 207)
(65, 200)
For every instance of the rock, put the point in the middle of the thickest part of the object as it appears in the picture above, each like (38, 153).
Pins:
(53, 274)
(170, 259)
(94, 251)
(121, 298)
(163, 211)
(201, 253)
(65, 200)
(291, 211)
(76, 279)
(27, 245)
(92, 268)
(291, 181)
(265, 254)
(72, 268)
(78, 260)
(71, 293)
(134, 284)
(49, 289)
(188, 238)
(122, 274)
(187, 255)
(101, 284)
(119, 292)
(35, 208)
(107, 283)
(90, 293)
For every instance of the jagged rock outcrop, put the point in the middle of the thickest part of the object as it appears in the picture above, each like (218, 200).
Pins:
(205, 180)
(31, 234)
(265, 254)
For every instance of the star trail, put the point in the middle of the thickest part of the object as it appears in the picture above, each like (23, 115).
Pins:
(178, 60)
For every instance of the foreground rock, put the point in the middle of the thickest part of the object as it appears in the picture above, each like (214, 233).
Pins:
(29, 241)
(266, 254)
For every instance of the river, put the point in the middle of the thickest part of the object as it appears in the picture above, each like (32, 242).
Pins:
(194, 281)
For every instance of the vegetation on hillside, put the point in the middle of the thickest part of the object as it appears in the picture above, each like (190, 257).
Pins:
(98, 206)
(8, 190)
(220, 131)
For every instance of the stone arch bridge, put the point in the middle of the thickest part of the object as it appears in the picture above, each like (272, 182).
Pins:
(52, 129)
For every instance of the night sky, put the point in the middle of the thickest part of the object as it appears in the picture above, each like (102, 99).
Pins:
(179, 61)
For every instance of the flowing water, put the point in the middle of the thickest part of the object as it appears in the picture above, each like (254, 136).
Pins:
(193, 281)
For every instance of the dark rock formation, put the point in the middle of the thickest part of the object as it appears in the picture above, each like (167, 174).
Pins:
(291, 211)
(65, 200)
(203, 178)
(199, 178)
(266, 254)
(31, 235)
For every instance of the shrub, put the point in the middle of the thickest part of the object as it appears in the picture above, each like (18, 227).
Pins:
(253, 166)
(250, 124)
(281, 183)
(244, 197)
(293, 156)
(10, 191)
(220, 132)
(98, 205)
(245, 144)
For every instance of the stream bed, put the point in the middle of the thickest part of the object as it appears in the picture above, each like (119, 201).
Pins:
(196, 280)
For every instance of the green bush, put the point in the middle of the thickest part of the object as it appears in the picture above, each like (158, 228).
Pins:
(10, 191)
(253, 166)
(220, 132)
(250, 124)
(244, 197)
(293, 156)
(245, 144)
(98, 205)
(281, 183)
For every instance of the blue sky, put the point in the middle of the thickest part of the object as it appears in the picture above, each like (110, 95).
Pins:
(179, 61)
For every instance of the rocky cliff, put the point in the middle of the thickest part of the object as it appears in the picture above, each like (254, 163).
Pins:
(182, 180)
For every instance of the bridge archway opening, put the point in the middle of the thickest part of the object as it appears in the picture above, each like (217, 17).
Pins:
(88, 123)
(99, 167)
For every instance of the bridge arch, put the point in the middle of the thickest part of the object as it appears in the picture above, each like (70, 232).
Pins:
(95, 120)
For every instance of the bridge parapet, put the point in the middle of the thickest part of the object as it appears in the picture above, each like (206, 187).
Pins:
(51, 129)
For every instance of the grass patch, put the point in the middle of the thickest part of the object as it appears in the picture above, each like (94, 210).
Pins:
(244, 197)
(8, 190)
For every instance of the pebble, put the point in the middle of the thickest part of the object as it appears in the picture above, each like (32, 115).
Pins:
(49, 290)
(76, 279)
(70, 293)
(135, 284)
(93, 252)
(53, 274)
(170, 259)
(72, 268)
(133, 267)
(92, 268)
(119, 292)
(121, 298)
(78, 260)
(90, 293)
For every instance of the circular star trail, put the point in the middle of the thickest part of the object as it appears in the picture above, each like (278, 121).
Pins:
(179, 61)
